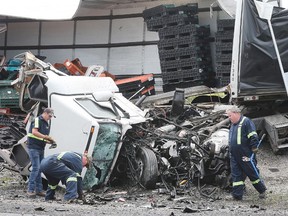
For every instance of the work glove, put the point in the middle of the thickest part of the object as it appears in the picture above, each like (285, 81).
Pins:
(255, 150)
(53, 145)
(49, 139)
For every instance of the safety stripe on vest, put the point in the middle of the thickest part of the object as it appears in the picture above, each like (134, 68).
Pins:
(238, 183)
(36, 122)
(71, 179)
(239, 131)
(62, 153)
(52, 187)
(36, 125)
(251, 134)
(255, 182)
(35, 137)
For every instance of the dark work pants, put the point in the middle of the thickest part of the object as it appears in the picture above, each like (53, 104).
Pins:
(56, 171)
(239, 170)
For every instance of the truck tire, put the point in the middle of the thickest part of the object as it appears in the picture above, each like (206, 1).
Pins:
(147, 167)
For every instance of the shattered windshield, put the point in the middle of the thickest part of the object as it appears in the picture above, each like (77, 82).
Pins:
(103, 155)
(96, 110)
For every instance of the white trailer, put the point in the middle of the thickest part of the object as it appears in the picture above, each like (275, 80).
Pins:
(258, 79)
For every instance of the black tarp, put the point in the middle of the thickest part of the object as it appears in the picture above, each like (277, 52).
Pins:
(259, 67)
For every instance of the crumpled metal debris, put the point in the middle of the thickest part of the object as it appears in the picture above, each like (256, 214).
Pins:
(191, 148)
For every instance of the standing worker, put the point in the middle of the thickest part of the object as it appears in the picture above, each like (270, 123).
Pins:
(65, 167)
(38, 136)
(243, 144)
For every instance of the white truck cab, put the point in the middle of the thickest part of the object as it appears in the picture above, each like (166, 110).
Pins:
(91, 117)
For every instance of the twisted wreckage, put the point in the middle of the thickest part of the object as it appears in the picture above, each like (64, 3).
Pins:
(173, 146)
(161, 140)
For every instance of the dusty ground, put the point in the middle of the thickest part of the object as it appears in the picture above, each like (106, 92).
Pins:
(274, 169)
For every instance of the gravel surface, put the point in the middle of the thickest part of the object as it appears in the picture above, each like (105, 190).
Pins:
(273, 168)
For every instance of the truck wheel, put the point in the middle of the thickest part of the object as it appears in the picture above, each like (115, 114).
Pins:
(147, 167)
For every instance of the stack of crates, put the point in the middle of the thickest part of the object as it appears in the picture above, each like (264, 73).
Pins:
(184, 45)
(163, 16)
(224, 46)
(9, 96)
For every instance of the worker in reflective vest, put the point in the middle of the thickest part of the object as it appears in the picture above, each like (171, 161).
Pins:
(38, 136)
(243, 144)
(65, 167)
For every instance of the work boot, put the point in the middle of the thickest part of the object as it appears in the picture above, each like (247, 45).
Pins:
(31, 194)
(41, 194)
(262, 195)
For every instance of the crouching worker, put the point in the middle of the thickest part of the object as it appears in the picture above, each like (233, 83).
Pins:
(65, 167)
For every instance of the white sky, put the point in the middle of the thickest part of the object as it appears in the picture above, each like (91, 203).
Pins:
(284, 3)
(40, 9)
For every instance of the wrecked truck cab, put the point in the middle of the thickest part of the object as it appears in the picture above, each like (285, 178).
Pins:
(91, 116)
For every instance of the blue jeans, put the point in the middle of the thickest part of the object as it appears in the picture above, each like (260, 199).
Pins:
(35, 180)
